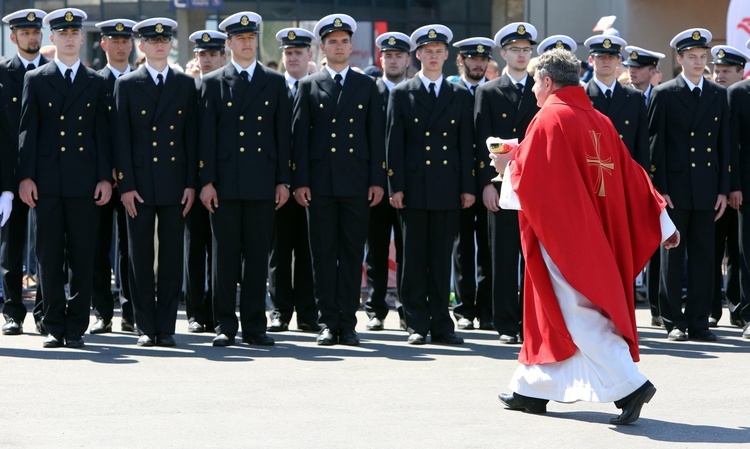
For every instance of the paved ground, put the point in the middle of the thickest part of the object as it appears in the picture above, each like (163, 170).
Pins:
(384, 394)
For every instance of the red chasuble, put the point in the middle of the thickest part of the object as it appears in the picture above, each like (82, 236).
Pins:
(594, 210)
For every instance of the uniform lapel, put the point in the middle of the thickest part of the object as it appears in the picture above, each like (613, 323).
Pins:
(351, 83)
(684, 94)
(167, 94)
(619, 97)
(55, 78)
(256, 84)
(419, 93)
(704, 103)
(443, 100)
(146, 83)
(81, 80)
(597, 97)
(17, 70)
(528, 101)
(325, 83)
(509, 90)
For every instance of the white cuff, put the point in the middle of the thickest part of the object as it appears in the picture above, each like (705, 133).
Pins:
(667, 227)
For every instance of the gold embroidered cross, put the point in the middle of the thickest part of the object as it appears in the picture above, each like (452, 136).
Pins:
(603, 165)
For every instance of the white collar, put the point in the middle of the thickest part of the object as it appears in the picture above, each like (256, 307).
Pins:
(390, 84)
(521, 81)
(469, 85)
(603, 87)
(690, 84)
(34, 61)
(62, 67)
(343, 73)
(250, 69)
(154, 74)
(426, 82)
(118, 73)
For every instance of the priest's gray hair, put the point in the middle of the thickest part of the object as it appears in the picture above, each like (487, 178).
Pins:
(561, 66)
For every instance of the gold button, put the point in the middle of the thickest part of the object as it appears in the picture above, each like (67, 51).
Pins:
(693, 164)
(62, 133)
(351, 150)
(259, 133)
(333, 150)
(242, 133)
(242, 149)
(153, 128)
(620, 136)
(360, 106)
(242, 117)
(109, 108)
(351, 120)
(514, 129)
(692, 150)
(173, 159)
(445, 148)
(50, 104)
(332, 121)
(15, 99)
(427, 148)
(627, 122)
(427, 133)
(259, 150)
(80, 134)
(260, 118)
(88, 105)
(80, 149)
(504, 115)
(80, 117)
(171, 126)
(62, 117)
(62, 149)
(156, 159)
(143, 112)
(445, 134)
(154, 143)
(716, 119)
(179, 112)
(229, 103)
(445, 162)
(453, 122)
(171, 144)
(416, 120)
(321, 105)
(708, 150)
(427, 162)
(266, 103)
(709, 134)
(351, 136)
(709, 164)
(333, 135)
(692, 133)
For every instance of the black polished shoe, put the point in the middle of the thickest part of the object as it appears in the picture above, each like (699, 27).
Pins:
(702, 335)
(127, 326)
(348, 337)
(196, 328)
(657, 321)
(375, 324)
(633, 403)
(259, 339)
(74, 342)
(448, 339)
(736, 322)
(307, 327)
(165, 340)
(52, 342)
(508, 339)
(277, 326)
(486, 326)
(526, 404)
(223, 340)
(746, 331)
(145, 340)
(416, 339)
(327, 337)
(12, 328)
(713, 322)
(100, 327)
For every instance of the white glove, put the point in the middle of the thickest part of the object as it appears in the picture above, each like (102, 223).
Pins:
(6, 206)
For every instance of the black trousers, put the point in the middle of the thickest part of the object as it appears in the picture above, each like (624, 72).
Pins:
(697, 238)
(337, 232)
(290, 279)
(101, 300)
(12, 246)
(198, 256)
(242, 232)
(744, 238)
(472, 266)
(66, 230)
(507, 294)
(652, 282)
(727, 242)
(155, 304)
(383, 220)
(428, 243)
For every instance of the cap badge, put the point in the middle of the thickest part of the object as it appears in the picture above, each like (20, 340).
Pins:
(244, 21)
(206, 37)
(634, 55)
(432, 34)
(521, 30)
(291, 35)
(480, 48)
(559, 44)
(607, 43)
(337, 23)
(159, 28)
(696, 35)
(31, 17)
(391, 40)
(119, 26)
(721, 53)
(68, 16)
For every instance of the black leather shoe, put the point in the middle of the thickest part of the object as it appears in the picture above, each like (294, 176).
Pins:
(508, 339)
(223, 340)
(448, 339)
(277, 326)
(165, 340)
(100, 327)
(12, 328)
(375, 324)
(746, 331)
(486, 326)
(656, 321)
(702, 335)
(631, 410)
(74, 342)
(145, 340)
(526, 404)
(327, 337)
(307, 327)
(416, 339)
(52, 342)
(713, 322)
(736, 322)
(348, 337)
(127, 326)
(260, 339)
(196, 328)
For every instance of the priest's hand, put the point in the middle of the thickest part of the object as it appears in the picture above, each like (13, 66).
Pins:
(501, 160)
(467, 200)
(490, 198)
(668, 200)
(735, 199)
(721, 204)
(375, 195)
(397, 200)
(672, 241)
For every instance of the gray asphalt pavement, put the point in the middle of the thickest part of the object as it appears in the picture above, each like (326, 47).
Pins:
(383, 394)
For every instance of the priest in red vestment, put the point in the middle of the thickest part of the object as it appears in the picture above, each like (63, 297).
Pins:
(590, 219)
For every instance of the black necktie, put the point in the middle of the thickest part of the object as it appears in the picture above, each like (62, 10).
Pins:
(160, 82)
(69, 76)
(608, 94)
(697, 92)
(30, 67)
(296, 86)
(338, 79)
(245, 76)
(519, 86)
(433, 92)
(474, 90)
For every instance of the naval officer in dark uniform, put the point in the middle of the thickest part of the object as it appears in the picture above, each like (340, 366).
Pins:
(338, 164)
(431, 175)
(290, 279)
(117, 43)
(156, 164)
(690, 151)
(65, 171)
(623, 105)
(26, 34)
